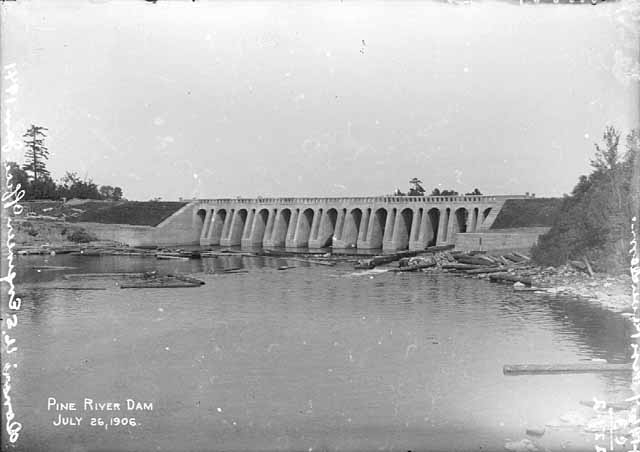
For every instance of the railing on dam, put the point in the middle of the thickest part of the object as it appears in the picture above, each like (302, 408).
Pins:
(365, 199)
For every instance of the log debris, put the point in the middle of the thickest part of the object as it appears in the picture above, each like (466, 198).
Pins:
(534, 369)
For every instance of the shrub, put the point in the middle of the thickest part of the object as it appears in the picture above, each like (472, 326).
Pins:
(82, 236)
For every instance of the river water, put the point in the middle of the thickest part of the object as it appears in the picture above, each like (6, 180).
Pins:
(311, 358)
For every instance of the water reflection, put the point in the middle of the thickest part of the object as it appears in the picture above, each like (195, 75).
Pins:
(303, 358)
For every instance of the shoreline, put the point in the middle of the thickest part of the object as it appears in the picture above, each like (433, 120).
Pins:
(611, 292)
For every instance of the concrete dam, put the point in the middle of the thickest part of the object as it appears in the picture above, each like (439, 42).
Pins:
(385, 222)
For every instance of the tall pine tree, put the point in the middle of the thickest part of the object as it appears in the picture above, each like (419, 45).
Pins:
(36, 153)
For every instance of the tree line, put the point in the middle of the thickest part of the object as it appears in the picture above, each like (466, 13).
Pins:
(595, 219)
(34, 177)
(416, 189)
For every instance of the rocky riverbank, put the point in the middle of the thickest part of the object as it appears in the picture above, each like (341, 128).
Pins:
(612, 292)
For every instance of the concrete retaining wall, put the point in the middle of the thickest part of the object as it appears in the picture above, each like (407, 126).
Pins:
(123, 233)
(499, 240)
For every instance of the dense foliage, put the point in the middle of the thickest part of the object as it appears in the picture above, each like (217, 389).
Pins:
(35, 179)
(595, 219)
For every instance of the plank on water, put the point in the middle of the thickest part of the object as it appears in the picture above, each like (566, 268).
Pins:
(532, 369)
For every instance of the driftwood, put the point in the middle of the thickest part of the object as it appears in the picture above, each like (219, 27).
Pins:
(462, 266)
(164, 282)
(589, 269)
(615, 406)
(412, 268)
(188, 279)
(532, 369)
(523, 256)
(479, 271)
(158, 285)
(311, 261)
(109, 275)
(501, 277)
(385, 259)
(474, 260)
(51, 267)
(72, 288)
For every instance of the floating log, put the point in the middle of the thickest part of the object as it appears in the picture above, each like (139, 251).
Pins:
(385, 259)
(462, 266)
(92, 252)
(500, 277)
(478, 271)
(231, 269)
(188, 279)
(615, 406)
(51, 267)
(474, 260)
(523, 256)
(109, 275)
(514, 257)
(31, 251)
(311, 261)
(412, 268)
(171, 256)
(158, 285)
(72, 288)
(532, 369)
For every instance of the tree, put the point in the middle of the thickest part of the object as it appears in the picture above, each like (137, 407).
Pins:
(18, 177)
(594, 220)
(36, 153)
(117, 194)
(607, 159)
(435, 192)
(417, 189)
(110, 193)
(474, 192)
(74, 187)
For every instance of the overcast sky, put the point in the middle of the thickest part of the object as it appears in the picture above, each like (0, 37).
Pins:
(218, 99)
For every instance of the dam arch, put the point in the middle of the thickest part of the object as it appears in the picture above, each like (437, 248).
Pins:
(364, 222)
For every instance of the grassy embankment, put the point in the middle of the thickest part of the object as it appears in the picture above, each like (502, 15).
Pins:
(54, 222)
(528, 213)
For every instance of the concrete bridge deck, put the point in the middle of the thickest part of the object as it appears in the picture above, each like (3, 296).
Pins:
(385, 222)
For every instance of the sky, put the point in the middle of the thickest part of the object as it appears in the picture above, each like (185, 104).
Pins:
(214, 99)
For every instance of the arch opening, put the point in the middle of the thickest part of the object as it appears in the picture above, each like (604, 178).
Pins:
(201, 216)
(461, 216)
(237, 227)
(327, 228)
(402, 231)
(215, 234)
(376, 235)
(433, 215)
